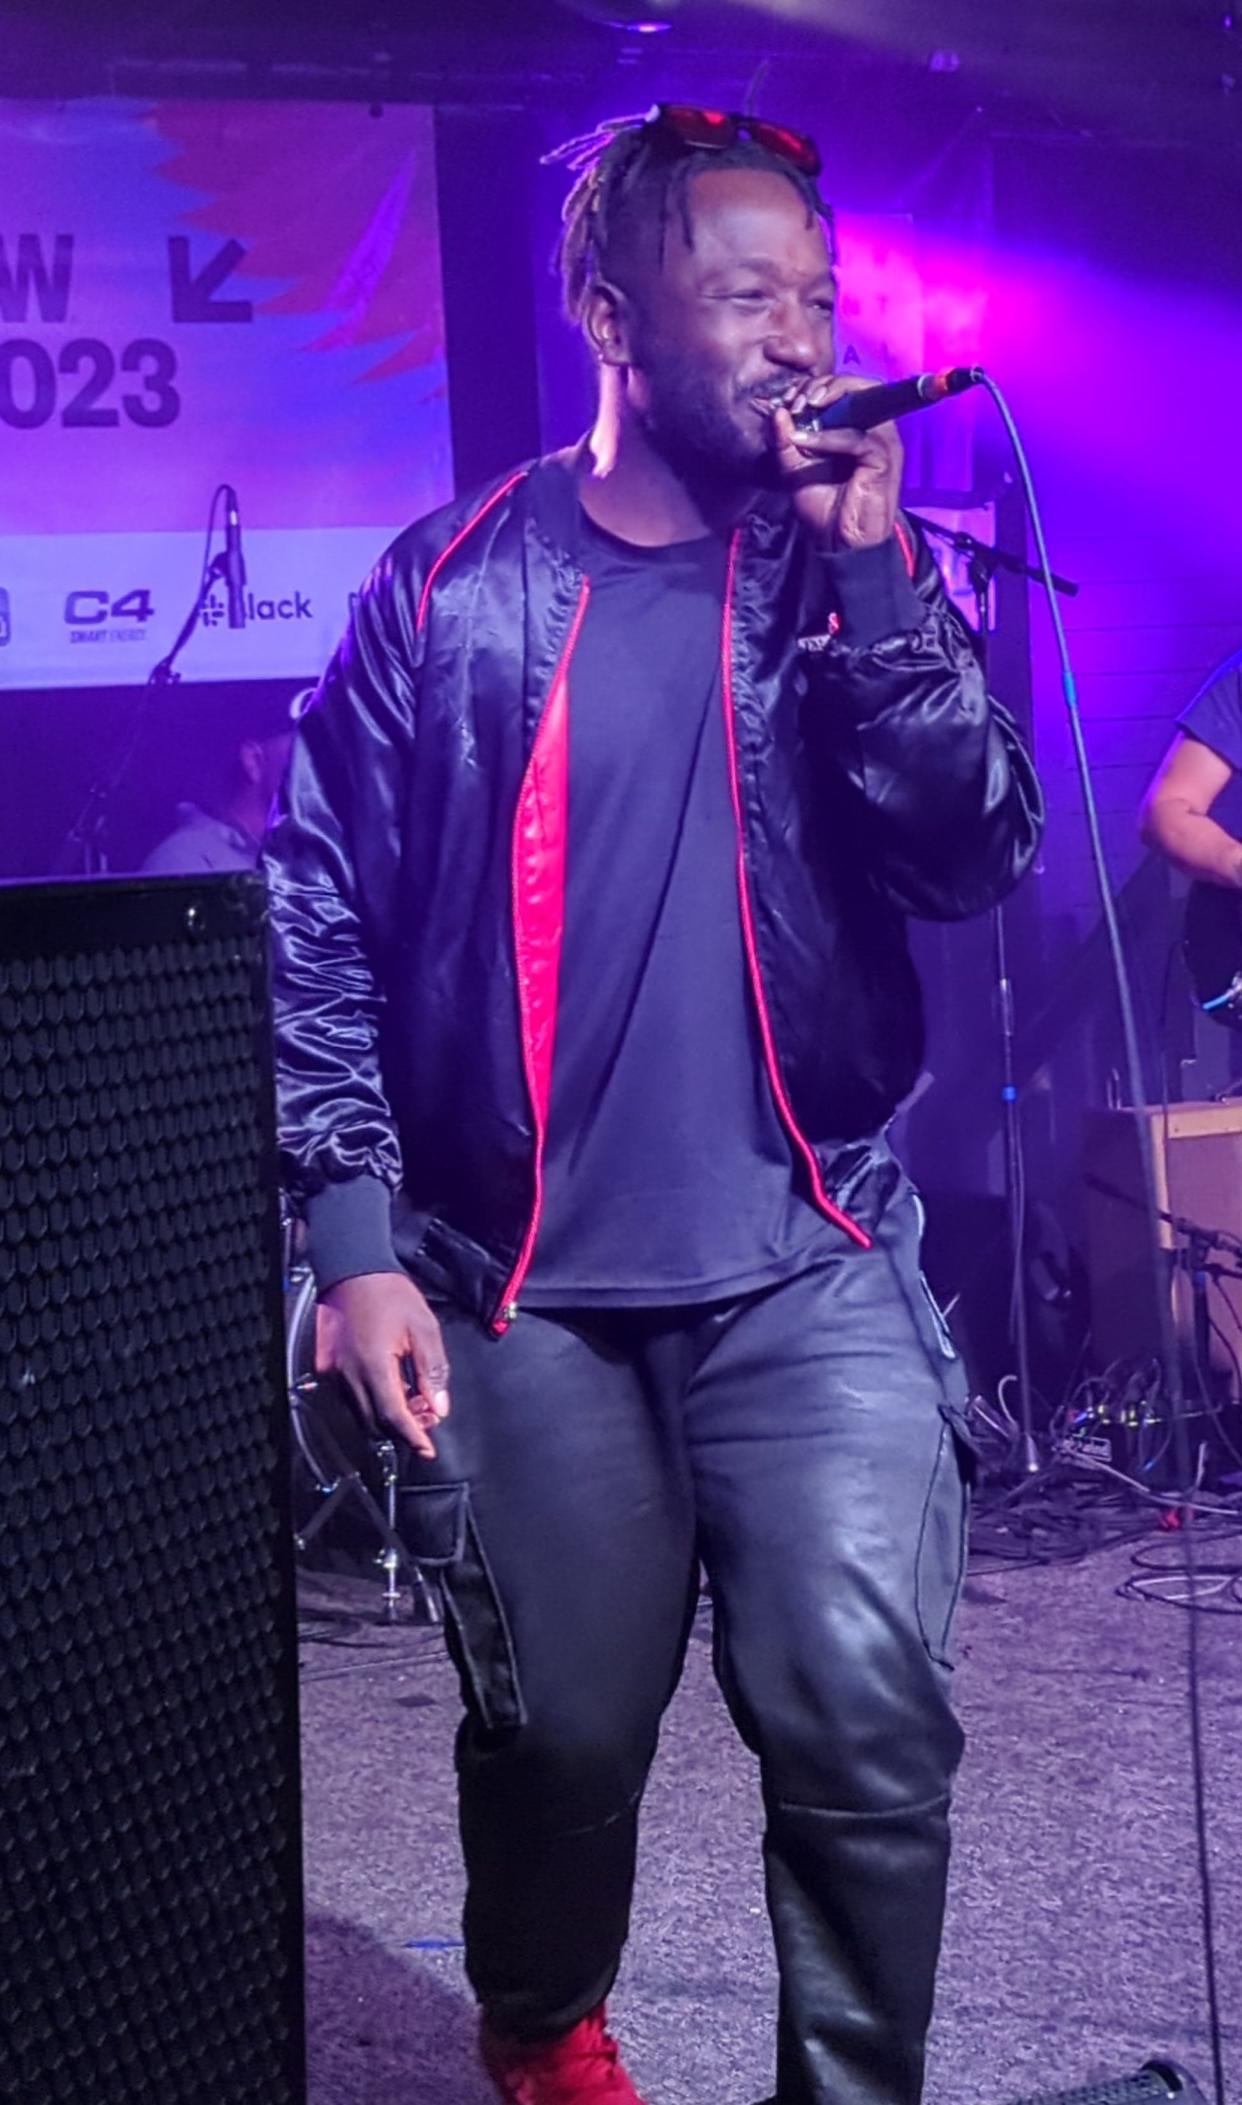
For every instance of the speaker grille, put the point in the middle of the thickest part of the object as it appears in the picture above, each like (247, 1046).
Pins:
(149, 1845)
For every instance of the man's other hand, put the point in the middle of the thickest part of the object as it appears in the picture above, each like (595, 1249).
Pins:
(379, 1334)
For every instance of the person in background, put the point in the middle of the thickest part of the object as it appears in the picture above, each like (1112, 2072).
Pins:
(1192, 813)
(221, 827)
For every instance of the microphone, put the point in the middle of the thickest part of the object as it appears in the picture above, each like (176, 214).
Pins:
(868, 406)
(234, 562)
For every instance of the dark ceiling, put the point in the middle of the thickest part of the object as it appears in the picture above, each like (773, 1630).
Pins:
(1155, 70)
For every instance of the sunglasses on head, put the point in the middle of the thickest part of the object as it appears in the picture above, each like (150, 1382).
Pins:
(716, 129)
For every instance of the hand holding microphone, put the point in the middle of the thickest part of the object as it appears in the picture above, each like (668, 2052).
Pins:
(840, 454)
(867, 404)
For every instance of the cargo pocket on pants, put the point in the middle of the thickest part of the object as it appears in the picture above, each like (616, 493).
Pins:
(940, 1555)
(437, 1528)
(940, 1559)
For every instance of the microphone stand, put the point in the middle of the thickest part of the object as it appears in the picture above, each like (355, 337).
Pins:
(85, 847)
(1195, 1261)
(982, 563)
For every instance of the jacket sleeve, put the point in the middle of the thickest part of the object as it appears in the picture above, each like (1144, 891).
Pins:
(331, 863)
(948, 804)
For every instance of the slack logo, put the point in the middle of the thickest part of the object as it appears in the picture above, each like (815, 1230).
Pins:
(294, 607)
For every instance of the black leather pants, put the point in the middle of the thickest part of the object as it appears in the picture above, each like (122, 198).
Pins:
(804, 1442)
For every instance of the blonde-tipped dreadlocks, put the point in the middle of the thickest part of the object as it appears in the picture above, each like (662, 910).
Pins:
(631, 173)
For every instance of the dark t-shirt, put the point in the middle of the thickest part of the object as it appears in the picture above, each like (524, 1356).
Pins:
(1215, 716)
(668, 1173)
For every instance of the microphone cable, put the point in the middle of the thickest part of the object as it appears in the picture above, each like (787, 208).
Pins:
(1169, 1356)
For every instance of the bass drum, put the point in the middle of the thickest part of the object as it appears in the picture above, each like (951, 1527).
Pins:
(327, 1432)
(340, 1472)
(308, 1392)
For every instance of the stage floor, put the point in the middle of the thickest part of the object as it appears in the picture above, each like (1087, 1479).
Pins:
(1072, 1947)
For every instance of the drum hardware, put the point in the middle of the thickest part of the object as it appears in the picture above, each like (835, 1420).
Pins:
(1212, 943)
(334, 1471)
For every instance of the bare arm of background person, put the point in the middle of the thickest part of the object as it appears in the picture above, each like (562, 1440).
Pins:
(1175, 813)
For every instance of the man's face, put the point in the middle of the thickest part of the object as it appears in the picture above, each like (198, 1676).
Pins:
(738, 318)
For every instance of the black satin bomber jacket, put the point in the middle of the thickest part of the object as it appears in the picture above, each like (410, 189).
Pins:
(416, 867)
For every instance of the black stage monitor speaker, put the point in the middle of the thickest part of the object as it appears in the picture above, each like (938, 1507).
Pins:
(150, 1884)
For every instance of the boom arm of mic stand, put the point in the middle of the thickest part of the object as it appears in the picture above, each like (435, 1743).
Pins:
(88, 835)
(162, 674)
(1215, 1238)
(991, 558)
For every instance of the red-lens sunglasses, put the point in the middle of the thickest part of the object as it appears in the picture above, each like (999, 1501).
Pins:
(715, 129)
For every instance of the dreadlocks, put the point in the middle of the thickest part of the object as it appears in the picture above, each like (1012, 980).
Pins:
(631, 174)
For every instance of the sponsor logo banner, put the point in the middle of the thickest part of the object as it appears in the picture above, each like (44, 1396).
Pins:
(100, 609)
(202, 293)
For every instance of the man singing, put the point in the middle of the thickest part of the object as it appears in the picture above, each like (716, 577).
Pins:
(594, 1001)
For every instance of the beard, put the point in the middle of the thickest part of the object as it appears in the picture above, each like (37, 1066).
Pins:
(689, 421)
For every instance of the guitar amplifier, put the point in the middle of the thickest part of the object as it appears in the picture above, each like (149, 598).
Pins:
(1197, 1157)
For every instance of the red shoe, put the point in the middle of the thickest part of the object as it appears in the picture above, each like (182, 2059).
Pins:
(582, 2067)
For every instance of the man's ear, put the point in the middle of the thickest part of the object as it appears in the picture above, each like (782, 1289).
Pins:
(607, 323)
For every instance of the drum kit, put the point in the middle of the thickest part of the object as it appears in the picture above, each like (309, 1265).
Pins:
(339, 1467)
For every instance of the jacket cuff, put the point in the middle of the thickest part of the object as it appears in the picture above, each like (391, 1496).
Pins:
(349, 1231)
(872, 592)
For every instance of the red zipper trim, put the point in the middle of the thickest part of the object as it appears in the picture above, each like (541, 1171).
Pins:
(904, 542)
(458, 538)
(822, 1200)
(540, 834)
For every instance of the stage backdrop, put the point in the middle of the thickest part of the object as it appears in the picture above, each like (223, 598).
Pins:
(194, 293)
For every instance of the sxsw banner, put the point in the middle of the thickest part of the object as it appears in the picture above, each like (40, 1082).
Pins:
(196, 293)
